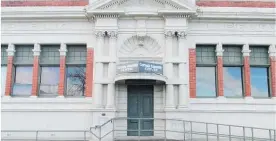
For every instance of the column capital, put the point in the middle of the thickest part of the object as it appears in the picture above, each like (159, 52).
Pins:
(36, 49)
(63, 49)
(245, 50)
(112, 34)
(219, 49)
(11, 50)
(100, 34)
(169, 33)
(272, 50)
(182, 34)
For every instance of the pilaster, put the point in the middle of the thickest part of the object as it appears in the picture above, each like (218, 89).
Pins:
(111, 70)
(89, 72)
(219, 53)
(62, 70)
(11, 52)
(169, 70)
(246, 71)
(35, 76)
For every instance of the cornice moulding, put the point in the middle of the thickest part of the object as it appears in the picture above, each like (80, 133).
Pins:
(237, 13)
(39, 12)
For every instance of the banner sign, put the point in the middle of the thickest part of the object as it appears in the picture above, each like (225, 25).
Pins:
(146, 67)
(141, 66)
(127, 68)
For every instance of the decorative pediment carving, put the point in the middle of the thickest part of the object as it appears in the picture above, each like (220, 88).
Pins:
(122, 6)
(140, 46)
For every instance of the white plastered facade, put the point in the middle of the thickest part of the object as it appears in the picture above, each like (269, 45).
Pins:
(156, 22)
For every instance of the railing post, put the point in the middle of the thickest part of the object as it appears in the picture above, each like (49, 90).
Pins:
(230, 133)
(270, 138)
(139, 129)
(100, 134)
(243, 128)
(217, 132)
(84, 135)
(207, 136)
(184, 130)
(191, 131)
(36, 136)
(274, 135)
(252, 132)
(113, 131)
(165, 130)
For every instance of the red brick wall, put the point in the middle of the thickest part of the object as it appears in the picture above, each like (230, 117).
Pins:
(8, 87)
(44, 3)
(220, 75)
(273, 76)
(247, 80)
(89, 72)
(35, 76)
(62, 70)
(203, 3)
(192, 72)
(259, 4)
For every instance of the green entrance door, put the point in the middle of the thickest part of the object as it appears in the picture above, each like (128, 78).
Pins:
(140, 105)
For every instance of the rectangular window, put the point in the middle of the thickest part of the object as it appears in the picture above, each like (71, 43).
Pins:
(4, 54)
(3, 79)
(49, 80)
(24, 54)
(49, 54)
(259, 82)
(233, 82)
(205, 82)
(49, 72)
(75, 77)
(206, 71)
(23, 81)
(232, 71)
(259, 71)
(75, 71)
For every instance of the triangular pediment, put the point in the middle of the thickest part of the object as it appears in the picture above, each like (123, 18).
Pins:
(141, 5)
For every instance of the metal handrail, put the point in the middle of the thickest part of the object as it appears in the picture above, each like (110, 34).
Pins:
(191, 132)
(187, 130)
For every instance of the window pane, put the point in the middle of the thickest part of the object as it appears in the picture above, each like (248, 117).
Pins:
(49, 80)
(3, 79)
(259, 82)
(259, 55)
(205, 82)
(205, 54)
(75, 81)
(23, 75)
(23, 81)
(232, 81)
(22, 89)
(232, 54)
(4, 54)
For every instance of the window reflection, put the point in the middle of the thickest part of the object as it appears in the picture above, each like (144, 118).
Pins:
(75, 81)
(232, 82)
(3, 79)
(205, 82)
(49, 80)
(23, 81)
(259, 82)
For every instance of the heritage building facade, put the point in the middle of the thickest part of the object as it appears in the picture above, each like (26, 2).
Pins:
(71, 65)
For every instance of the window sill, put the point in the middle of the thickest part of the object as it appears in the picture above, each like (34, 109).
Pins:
(249, 101)
(55, 100)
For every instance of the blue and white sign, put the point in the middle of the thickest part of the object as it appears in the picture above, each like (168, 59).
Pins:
(146, 67)
(140, 67)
